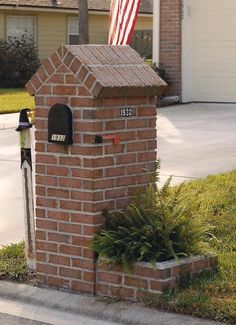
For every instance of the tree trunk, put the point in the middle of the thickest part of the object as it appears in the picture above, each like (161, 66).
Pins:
(83, 21)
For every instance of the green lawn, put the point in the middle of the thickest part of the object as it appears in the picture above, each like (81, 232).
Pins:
(211, 295)
(13, 99)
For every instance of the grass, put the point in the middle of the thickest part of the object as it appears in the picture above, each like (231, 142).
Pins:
(13, 99)
(13, 265)
(211, 295)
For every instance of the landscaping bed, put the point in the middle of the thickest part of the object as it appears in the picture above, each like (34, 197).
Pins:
(12, 100)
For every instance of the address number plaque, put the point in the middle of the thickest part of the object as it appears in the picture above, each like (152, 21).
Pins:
(127, 112)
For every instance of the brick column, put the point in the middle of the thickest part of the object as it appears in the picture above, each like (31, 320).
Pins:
(75, 183)
(171, 43)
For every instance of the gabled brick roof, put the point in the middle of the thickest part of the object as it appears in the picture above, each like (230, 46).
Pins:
(114, 71)
(94, 5)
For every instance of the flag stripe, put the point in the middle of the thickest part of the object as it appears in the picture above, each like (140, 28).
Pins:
(123, 16)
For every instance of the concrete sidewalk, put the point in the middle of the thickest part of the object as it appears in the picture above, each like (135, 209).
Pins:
(9, 121)
(54, 302)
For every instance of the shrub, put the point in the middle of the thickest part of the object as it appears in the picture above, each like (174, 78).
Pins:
(156, 227)
(18, 61)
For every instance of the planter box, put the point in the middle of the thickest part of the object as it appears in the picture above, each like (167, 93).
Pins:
(144, 277)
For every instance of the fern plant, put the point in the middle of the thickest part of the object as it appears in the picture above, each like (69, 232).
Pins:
(157, 226)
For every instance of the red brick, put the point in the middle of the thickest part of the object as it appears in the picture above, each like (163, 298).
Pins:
(70, 205)
(109, 277)
(70, 273)
(45, 90)
(48, 66)
(70, 250)
(46, 268)
(64, 90)
(90, 230)
(75, 66)
(120, 101)
(147, 156)
(87, 173)
(50, 101)
(59, 238)
(70, 182)
(58, 215)
(87, 219)
(56, 61)
(89, 276)
(81, 102)
(126, 158)
(147, 111)
(137, 100)
(98, 206)
(45, 159)
(40, 190)
(98, 162)
(147, 134)
(82, 73)
(58, 282)
(46, 247)
(88, 126)
(45, 224)
(82, 286)
(60, 260)
(70, 79)
(114, 193)
(58, 171)
(115, 171)
(125, 181)
(89, 81)
(41, 234)
(56, 78)
(41, 135)
(45, 202)
(41, 257)
(40, 124)
(70, 228)
(70, 161)
(81, 241)
(46, 180)
(136, 146)
(114, 125)
(136, 123)
(54, 192)
(82, 263)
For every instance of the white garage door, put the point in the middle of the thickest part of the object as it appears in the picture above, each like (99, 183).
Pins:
(210, 73)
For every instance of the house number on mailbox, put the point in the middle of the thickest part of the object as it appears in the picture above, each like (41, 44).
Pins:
(126, 112)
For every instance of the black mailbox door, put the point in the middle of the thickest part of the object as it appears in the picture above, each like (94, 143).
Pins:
(60, 124)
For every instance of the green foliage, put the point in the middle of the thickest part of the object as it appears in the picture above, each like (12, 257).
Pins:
(156, 227)
(13, 99)
(18, 61)
(211, 295)
(13, 263)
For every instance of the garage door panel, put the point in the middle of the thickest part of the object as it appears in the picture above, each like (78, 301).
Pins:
(214, 50)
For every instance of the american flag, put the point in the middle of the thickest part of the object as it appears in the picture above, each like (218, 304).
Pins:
(123, 16)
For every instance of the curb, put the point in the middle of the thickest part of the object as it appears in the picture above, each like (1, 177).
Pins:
(121, 312)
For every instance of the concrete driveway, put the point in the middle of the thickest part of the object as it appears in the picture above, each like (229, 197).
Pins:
(195, 140)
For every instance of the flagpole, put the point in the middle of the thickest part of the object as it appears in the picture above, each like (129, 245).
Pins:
(26, 167)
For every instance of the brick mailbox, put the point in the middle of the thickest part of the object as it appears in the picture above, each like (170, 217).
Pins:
(104, 99)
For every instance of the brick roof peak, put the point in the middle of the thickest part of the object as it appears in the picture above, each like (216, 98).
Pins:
(116, 71)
